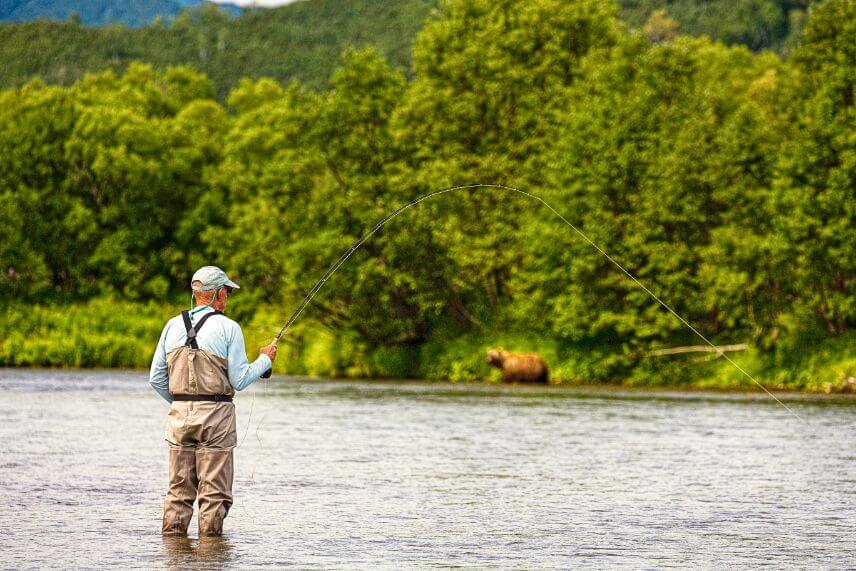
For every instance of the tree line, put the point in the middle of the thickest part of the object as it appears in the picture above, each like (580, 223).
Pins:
(722, 178)
(303, 40)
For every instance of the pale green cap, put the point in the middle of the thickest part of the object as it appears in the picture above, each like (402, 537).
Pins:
(212, 278)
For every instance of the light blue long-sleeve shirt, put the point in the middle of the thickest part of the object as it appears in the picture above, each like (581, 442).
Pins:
(220, 336)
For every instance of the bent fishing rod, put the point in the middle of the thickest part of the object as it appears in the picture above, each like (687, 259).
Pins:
(478, 186)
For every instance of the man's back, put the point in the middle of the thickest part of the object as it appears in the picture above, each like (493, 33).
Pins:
(220, 336)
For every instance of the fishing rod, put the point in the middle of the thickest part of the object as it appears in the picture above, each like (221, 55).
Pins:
(478, 186)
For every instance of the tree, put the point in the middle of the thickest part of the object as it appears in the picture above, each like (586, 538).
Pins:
(481, 108)
(96, 179)
(645, 168)
(660, 27)
(39, 217)
(320, 170)
(815, 187)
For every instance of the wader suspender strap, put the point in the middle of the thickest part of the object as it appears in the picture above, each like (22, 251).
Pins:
(191, 330)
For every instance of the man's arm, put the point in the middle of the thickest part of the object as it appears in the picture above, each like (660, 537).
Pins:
(241, 372)
(159, 374)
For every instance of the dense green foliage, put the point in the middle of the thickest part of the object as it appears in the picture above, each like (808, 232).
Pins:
(722, 178)
(129, 12)
(109, 332)
(303, 40)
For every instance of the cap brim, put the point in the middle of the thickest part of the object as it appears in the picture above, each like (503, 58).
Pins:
(232, 284)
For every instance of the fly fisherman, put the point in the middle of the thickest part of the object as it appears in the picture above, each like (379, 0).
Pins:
(198, 365)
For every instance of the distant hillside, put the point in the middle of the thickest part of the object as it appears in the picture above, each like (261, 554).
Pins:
(758, 24)
(93, 12)
(304, 40)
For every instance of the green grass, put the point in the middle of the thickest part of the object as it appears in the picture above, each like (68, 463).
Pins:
(109, 332)
(99, 333)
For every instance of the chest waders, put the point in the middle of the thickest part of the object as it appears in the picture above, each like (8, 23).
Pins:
(201, 434)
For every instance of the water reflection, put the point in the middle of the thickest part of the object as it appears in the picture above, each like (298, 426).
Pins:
(205, 552)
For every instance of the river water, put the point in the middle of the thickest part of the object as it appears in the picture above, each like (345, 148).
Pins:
(389, 475)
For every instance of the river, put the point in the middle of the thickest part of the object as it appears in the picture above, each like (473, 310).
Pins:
(378, 474)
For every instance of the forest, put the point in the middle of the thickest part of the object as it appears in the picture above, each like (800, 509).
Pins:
(303, 41)
(723, 178)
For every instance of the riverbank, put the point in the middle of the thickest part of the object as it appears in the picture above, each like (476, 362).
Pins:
(105, 333)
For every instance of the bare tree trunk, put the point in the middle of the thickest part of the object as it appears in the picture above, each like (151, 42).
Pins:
(823, 310)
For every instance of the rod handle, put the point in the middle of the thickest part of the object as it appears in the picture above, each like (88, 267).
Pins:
(269, 372)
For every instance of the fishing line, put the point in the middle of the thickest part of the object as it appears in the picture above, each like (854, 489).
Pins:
(389, 217)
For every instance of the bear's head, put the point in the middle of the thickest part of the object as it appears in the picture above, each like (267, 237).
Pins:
(495, 357)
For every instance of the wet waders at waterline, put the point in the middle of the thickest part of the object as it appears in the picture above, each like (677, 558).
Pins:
(201, 434)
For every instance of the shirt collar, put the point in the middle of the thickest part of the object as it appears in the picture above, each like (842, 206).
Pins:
(200, 309)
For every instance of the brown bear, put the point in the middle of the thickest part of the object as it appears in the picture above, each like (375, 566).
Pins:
(518, 367)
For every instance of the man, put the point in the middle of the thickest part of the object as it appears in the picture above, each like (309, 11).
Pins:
(198, 365)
